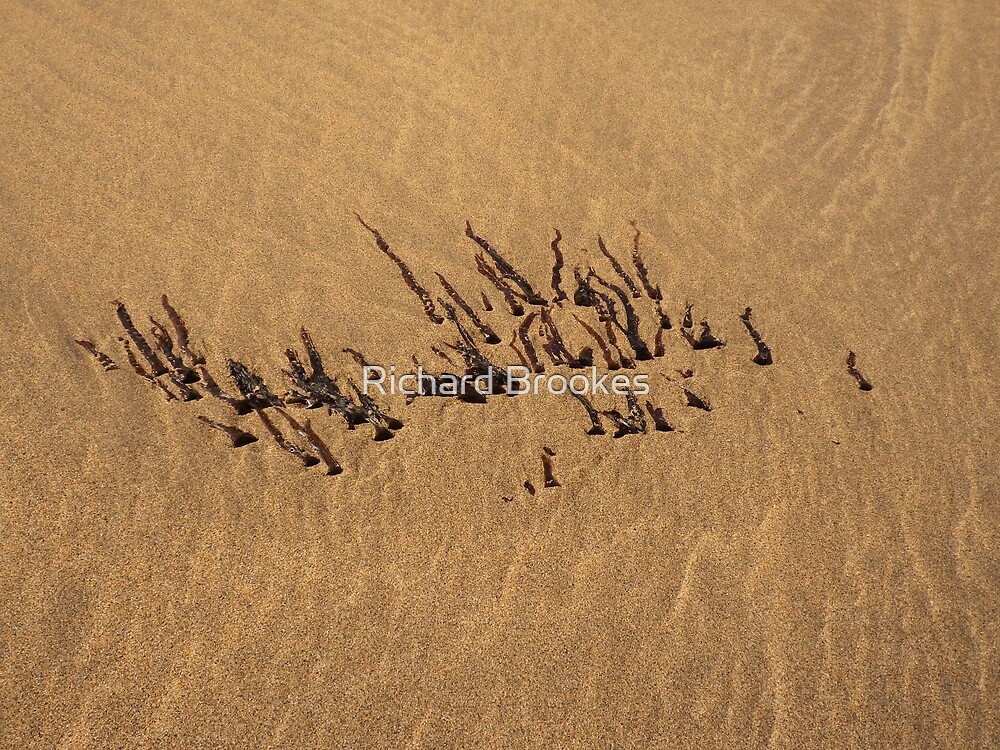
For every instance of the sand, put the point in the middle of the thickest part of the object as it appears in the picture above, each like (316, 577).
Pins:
(808, 565)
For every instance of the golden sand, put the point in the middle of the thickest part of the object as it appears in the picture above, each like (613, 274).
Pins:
(807, 565)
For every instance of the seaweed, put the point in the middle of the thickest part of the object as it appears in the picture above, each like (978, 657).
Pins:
(307, 458)
(187, 392)
(557, 270)
(180, 328)
(529, 487)
(156, 365)
(595, 418)
(251, 385)
(554, 345)
(166, 346)
(306, 431)
(239, 405)
(640, 267)
(550, 480)
(529, 349)
(704, 340)
(863, 383)
(609, 359)
(763, 356)
(489, 335)
(635, 414)
(659, 421)
(510, 297)
(623, 425)
(506, 269)
(521, 358)
(696, 401)
(141, 372)
(382, 422)
(356, 356)
(583, 296)
(407, 274)
(237, 437)
(618, 268)
(487, 305)
(103, 359)
(442, 354)
(320, 387)
(687, 322)
(631, 327)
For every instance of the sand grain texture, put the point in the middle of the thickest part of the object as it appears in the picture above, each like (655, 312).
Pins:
(806, 566)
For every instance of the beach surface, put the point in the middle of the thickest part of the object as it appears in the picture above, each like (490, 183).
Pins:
(806, 565)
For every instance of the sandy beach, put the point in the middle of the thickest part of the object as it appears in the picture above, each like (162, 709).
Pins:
(796, 563)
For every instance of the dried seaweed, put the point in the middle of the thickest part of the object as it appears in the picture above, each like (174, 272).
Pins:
(557, 267)
(595, 418)
(640, 267)
(442, 354)
(357, 356)
(506, 269)
(379, 420)
(763, 356)
(320, 387)
(863, 382)
(141, 372)
(489, 335)
(240, 406)
(705, 339)
(521, 358)
(635, 413)
(516, 309)
(631, 327)
(529, 349)
(307, 458)
(609, 359)
(623, 425)
(156, 365)
(659, 421)
(251, 386)
(306, 431)
(408, 276)
(554, 345)
(687, 322)
(166, 346)
(529, 487)
(626, 279)
(583, 296)
(236, 436)
(487, 305)
(187, 392)
(550, 480)
(696, 401)
(103, 359)
(180, 328)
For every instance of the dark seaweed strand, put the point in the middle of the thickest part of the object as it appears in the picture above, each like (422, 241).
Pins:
(321, 387)
(659, 421)
(652, 292)
(370, 405)
(524, 335)
(307, 459)
(763, 356)
(583, 295)
(236, 436)
(550, 479)
(489, 335)
(506, 269)
(442, 354)
(555, 346)
(687, 322)
(357, 356)
(251, 385)
(529, 487)
(180, 328)
(187, 392)
(863, 382)
(609, 359)
(557, 270)
(705, 339)
(141, 372)
(618, 268)
(631, 328)
(166, 346)
(140, 342)
(513, 345)
(487, 305)
(516, 309)
(306, 431)
(408, 276)
(658, 350)
(103, 359)
(240, 406)
(623, 426)
(595, 418)
(635, 413)
(696, 401)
